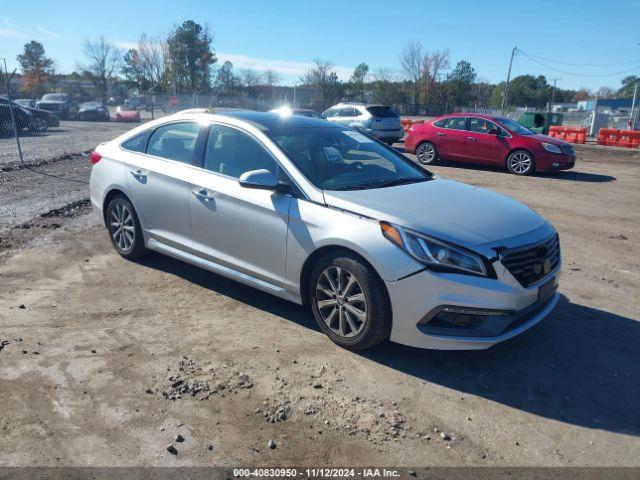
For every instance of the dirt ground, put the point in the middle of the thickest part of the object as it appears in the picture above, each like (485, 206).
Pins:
(104, 361)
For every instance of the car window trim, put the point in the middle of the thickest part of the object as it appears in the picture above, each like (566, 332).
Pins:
(200, 164)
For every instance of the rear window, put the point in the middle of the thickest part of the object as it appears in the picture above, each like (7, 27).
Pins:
(382, 112)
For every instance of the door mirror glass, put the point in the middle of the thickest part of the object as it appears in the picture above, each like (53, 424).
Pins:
(261, 179)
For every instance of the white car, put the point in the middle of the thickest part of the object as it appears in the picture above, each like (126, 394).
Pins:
(320, 214)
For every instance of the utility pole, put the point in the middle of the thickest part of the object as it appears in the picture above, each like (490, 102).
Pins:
(553, 94)
(505, 95)
(593, 118)
(632, 120)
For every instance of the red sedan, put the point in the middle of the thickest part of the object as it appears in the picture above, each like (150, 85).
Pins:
(127, 114)
(476, 138)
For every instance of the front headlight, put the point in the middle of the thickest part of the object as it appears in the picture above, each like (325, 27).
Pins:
(433, 252)
(550, 147)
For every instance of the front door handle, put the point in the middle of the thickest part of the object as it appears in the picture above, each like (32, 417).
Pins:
(138, 174)
(473, 139)
(440, 134)
(204, 195)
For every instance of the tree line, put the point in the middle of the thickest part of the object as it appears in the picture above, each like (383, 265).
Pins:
(184, 62)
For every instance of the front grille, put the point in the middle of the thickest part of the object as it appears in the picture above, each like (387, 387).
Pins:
(530, 264)
(568, 149)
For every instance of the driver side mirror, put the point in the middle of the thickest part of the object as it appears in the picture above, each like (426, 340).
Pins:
(263, 179)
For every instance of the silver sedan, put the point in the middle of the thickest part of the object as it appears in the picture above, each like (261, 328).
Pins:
(323, 215)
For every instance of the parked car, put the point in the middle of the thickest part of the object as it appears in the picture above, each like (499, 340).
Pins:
(322, 215)
(26, 102)
(38, 120)
(380, 121)
(59, 103)
(93, 111)
(488, 139)
(22, 116)
(127, 114)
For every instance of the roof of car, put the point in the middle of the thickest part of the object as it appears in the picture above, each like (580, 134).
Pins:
(469, 114)
(272, 120)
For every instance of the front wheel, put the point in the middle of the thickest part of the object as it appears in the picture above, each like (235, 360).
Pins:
(521, 162)
(426, 153)
(349, 301)
(124, 228)
(39, 124)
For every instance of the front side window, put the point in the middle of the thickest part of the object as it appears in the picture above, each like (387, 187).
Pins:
(345, 159)
(175, 141)
(481, 125)
(232, 152)
(332, 112)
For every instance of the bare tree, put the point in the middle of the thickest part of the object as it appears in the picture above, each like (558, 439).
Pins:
(322, 76)
(411, 61)
(152, 53)
(433, 66)
(103, 61)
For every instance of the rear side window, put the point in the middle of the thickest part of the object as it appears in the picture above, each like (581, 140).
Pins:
(383, 112)
(454, 123)
(137, 143)
(176, 141)
(348, 112)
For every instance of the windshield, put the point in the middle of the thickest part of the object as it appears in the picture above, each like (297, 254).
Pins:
(345, 159)
(514, 126)
(55, 97)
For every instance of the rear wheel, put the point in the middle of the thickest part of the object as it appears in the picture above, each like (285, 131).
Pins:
(349, 301)
(426, 153)
(124, 228)
(521, 162)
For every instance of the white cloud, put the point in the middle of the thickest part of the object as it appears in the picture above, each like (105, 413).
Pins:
(47, 32)
(11, 33)
(286, 68)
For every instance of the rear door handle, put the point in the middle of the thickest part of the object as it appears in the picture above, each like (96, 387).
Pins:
(138, 174)
(204, 195)
(440, 134)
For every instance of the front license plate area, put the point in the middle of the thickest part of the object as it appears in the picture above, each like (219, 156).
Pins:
(546, 290)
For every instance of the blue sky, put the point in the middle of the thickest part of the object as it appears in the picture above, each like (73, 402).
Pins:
(287, 35)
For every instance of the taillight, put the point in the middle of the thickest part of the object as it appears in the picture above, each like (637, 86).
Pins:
(94, 157)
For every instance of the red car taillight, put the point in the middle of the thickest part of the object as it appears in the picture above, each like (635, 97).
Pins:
(94, 157)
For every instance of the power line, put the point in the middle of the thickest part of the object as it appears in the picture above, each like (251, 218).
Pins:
(573, 74)
(618, 64)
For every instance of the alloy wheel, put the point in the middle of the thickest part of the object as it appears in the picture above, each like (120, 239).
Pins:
(426, 153)
(121, 227)
(341, 301)
(520, 162)
(39, 124)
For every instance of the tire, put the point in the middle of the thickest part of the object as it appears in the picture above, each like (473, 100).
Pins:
(521, 162)
(128, 242)
(427, 153)
(355, 312)
(39, 124)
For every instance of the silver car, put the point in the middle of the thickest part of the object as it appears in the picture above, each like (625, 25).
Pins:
(322, 215)
(380, 121)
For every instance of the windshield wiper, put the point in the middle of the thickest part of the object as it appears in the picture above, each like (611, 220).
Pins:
(386, 183)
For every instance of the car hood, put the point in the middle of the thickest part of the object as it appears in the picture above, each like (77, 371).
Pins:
(548, 139)
(449, 210)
